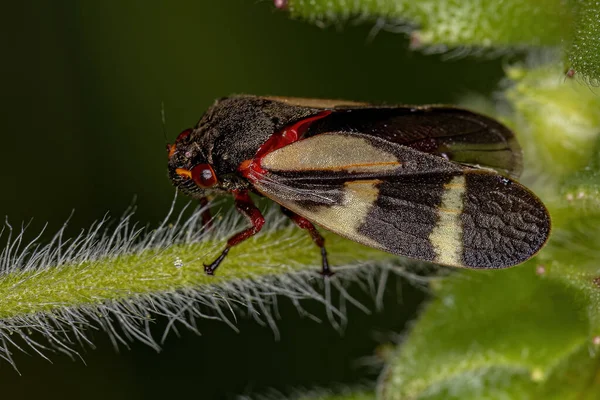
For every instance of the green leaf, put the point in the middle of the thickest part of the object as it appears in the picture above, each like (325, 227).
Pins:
(557, 120)
(499, 334)
(583, 46)
(582, 188)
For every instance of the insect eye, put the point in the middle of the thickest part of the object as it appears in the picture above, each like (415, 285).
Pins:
(204, 176)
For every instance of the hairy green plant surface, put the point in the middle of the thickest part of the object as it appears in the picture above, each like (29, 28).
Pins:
(501, 334)
(440, 25)
(154, 270)
(451, 23)
(583, 41)
(581, 189)
(120, 280)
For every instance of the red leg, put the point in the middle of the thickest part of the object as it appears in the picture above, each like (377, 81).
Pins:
(244, 204)
(303, 223)
(206, 217)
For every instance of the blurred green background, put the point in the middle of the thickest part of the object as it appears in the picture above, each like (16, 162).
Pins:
(82, 87)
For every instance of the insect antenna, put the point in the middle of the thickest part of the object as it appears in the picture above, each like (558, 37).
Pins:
(164, 121)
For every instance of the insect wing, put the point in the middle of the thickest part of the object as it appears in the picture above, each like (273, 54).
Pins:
(406, 202)
(459, 135)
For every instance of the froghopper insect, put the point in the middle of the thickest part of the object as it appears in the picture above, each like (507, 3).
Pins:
(435, 183)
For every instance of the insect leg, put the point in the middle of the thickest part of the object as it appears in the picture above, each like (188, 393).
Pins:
(303, 223)
(206, 216)
(245, 206)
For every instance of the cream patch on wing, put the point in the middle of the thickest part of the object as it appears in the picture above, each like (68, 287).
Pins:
(344, 219)
(447, 235)
(331, 152)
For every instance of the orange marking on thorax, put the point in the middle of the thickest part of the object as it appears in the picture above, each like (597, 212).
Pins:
(185, 173)
(245, 165)
(171, 149)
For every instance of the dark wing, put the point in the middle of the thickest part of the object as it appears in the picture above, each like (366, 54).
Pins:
(406, 202)
(459, 135)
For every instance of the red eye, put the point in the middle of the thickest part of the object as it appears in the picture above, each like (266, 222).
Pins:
(204, 176)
